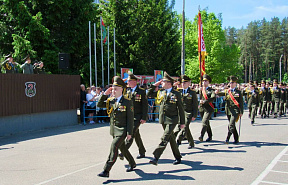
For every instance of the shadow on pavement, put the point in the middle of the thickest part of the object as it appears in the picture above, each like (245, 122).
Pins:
(256, 144)
(163, 175)
(24, 136)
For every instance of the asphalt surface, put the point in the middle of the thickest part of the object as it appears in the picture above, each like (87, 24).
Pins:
(76, 154)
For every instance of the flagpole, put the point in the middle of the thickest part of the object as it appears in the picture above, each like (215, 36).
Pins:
(95, 55)
(90, 61)
(108, 58)
(102, 53)
(114, 55)
(183, 41)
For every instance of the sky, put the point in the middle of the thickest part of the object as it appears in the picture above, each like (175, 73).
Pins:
(236, 13)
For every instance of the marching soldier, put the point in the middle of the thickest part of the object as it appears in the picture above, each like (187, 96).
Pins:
(253, 102)
(264, 98)
(269, 104)
(276, 93)
(140, 103)
(121, 114)
(190, 102)
(282, 99)
(206, 106)
(171, 111)
(233, 107)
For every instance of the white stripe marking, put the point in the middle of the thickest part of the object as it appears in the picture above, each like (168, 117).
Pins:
(278, 171)
(269, 167)
(268, 182)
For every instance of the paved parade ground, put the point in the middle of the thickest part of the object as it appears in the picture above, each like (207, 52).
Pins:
(76, 154)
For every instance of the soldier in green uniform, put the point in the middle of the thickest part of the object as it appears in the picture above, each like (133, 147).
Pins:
(253, 101)
(171, 111)
(206, 107)
(275, 93)
(264, 98)
(121, 114)
(190, 103)
(282, 99)
(269, 86)
(233, 107)
(140, 103)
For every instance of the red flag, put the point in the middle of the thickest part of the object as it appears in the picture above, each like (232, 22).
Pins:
(103, 32)
(201, 46)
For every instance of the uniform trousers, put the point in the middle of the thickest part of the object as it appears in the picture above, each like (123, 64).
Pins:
(168, 136)
(264, 108)
(206, 123)
(232, 127)
(276, 107)
(137, 136)
(185, 132)
(118, 143)
(252, 112)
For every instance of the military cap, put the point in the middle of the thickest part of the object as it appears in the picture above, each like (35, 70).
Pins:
(8, 56)
(185, 78)
(131, 76)
(117, 81)
(275, 81)
(232, 79)
(282, 83)
(255, 82)
(252, 84)
(167, 77)
(206, 77)
(263, 82)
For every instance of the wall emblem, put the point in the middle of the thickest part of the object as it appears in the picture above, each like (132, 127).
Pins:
(30, 89)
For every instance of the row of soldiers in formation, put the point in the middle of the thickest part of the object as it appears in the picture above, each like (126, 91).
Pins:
(128, 109)
(10, 66)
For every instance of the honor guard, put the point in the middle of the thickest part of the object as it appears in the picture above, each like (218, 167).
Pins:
(253, 101)
(282, 99)
(140, 103)
(121, 112)
(171, 111)
(206, 107)
(233, 107)
(275, 93)
(190, 103)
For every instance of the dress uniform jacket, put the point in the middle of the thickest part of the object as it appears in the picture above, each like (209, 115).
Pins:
(205, 107)
(275, 93)
(121, 117)
(140, 103)
(190, 103)
(230, 107)
(171, 106)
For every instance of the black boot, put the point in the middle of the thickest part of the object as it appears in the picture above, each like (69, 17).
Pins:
(104, 174)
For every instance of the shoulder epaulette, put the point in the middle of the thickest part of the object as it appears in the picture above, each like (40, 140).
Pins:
(142, 88)
(127, 98)
(111, 98)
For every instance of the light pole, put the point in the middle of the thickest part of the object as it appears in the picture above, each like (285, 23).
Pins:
(183, 41)
(280, 67)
